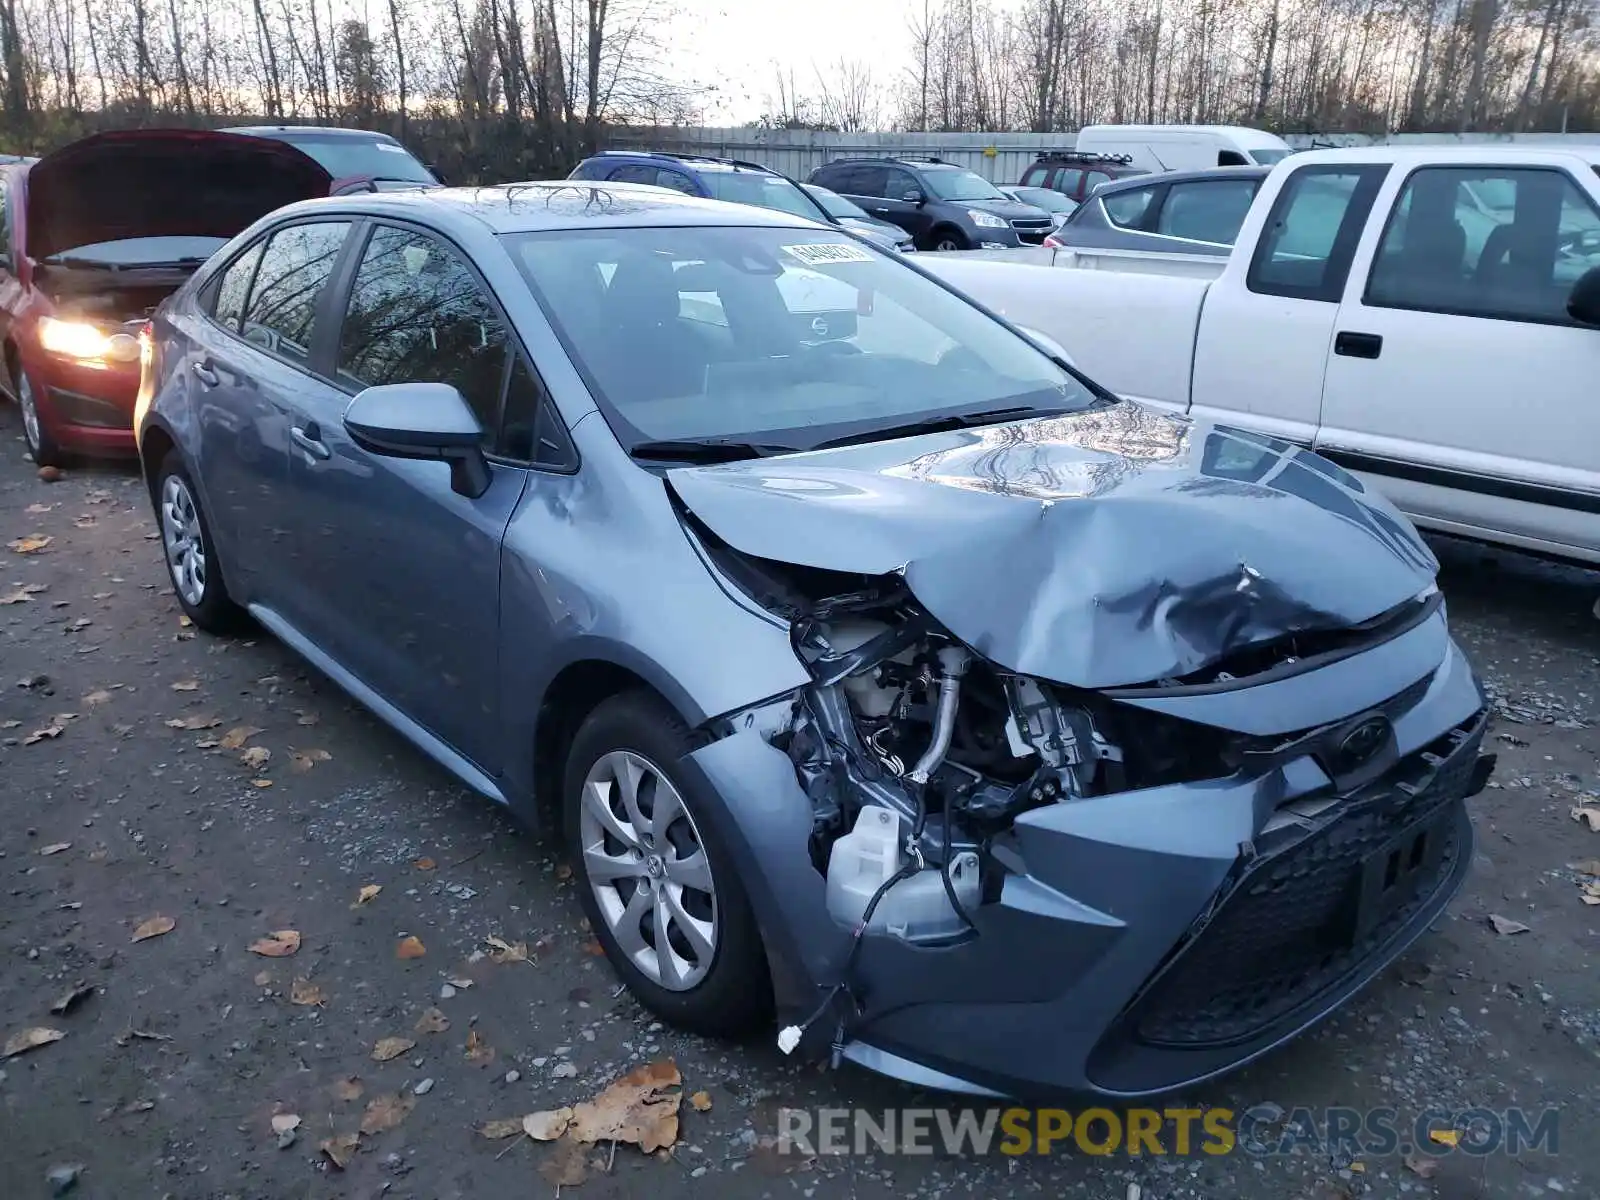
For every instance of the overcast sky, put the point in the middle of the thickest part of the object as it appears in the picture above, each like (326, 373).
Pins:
(740, 45)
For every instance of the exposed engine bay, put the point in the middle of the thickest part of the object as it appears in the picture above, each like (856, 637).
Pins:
(107, 296)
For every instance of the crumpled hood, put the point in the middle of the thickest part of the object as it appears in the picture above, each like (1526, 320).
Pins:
(162, 182)
(1107, 548)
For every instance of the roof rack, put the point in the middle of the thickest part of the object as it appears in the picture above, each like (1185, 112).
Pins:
(927, 158)
(1083, 156)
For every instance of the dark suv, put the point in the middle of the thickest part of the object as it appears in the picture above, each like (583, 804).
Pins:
(942, 206)
(1076, 175)
(729, 179)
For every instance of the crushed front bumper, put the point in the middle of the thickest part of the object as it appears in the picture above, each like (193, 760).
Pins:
(1142, 941)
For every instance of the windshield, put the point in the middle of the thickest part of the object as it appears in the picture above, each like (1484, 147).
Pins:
(343, 157)
(144, 251)
(1044, 198)
(961, 185)
(836, 205)
(788, 337)
(1267, 157)
(764, 191)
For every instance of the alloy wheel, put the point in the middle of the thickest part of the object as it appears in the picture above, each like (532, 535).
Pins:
(30, 413)
(185, 543)
(646, 862)
(947, 244)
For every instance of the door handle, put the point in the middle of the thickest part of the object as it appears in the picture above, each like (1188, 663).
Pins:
(206, 375)
(310, 440)
(1358, 345)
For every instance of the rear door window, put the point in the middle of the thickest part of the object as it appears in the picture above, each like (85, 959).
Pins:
(1127, 208)
(1206, 212)
(295, 266)
(1067, 180)
(677, 181)
(633, 173)
(1311, 233)
(234, 285)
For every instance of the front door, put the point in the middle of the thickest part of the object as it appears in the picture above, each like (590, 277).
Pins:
(407, 571)
(1457, 379)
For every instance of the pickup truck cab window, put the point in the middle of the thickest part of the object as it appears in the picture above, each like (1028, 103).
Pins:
(1503, 243)
(1312, 232)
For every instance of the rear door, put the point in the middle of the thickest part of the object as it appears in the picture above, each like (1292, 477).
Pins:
(408, 571)
(1458, 381)
(248, 372)
(1266, 328)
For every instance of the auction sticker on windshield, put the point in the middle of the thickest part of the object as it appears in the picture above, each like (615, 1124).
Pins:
(820, 254)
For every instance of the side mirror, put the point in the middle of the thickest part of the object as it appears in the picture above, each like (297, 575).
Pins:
(1583, 304)
(422, 420)
(914, 196)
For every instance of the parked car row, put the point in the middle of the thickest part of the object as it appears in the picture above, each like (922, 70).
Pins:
(732, 545)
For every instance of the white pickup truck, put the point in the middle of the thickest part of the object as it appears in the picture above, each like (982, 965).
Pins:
(1427, 317)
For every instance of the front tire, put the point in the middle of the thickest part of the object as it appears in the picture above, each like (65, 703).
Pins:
(190, 551)
(41, 448)
(950, 239)
(664, 900)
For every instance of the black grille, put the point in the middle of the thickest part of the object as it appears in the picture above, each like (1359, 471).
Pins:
(74, 408)
(1315, 904)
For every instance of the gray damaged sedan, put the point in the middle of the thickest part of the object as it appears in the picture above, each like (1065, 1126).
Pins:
(891, 684)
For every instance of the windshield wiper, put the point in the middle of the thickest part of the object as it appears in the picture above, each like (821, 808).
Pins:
(705, 450)
(987, 416)
(74, 260)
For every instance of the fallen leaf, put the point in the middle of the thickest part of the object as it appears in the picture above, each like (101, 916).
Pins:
(1505, 925)
(432, 1021)
(479, 1052)
(37, 509)
(563, 871)
(30, 545)
(304, 718)
(410, 947)
(594, 949)
(1591, 892)
(70, 998)
(17, 597)
(424, 864)
(1445, 1137)
(95, 699)
(54, 848)
(184, 621)
(567, 1166)
(496, 1130)
(283, 1122)
(256, 757)
(236, 737)
(348, 1088)
(186, 685)
(261, 783)
(461, 983)
(39, 735)
(198, 722)
(306, 993)
(154, 927)
(279, 944)
(502, 951)
(547, 1126)
(1589, 866)
(1589, 814)
(304, 760)
(391, 1047)
(701, 1101)
(29, 1039)
(637, 1108)
(1422, 1166)
(340, 1148)
(263, 978)
(368, 893)
(385, 1112)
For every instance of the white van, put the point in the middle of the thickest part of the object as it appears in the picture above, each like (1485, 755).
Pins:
(1184, 147)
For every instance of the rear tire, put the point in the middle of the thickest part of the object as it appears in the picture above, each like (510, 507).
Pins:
(638, 833)
(190, 552)
(41, 448)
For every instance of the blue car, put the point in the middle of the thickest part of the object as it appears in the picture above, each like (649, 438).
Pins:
(876, 670)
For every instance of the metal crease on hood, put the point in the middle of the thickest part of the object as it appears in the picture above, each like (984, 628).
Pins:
(1112, 547)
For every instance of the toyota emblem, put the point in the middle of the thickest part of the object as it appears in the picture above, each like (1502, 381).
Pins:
(1362, 742)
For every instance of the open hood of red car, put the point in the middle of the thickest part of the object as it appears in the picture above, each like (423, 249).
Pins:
(161, 183)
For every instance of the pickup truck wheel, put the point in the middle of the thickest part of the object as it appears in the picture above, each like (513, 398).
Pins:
(43, 450)
(664, 901)
(950, 239)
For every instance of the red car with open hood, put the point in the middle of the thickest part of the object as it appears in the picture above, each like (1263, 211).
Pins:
(97, 234)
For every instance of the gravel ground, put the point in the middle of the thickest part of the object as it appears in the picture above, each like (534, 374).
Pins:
(140, 811)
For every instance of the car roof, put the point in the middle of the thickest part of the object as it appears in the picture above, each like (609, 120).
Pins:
(1152, 178)
(330, 131)
(694, 162)
(556, 204)
(1469, 154)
